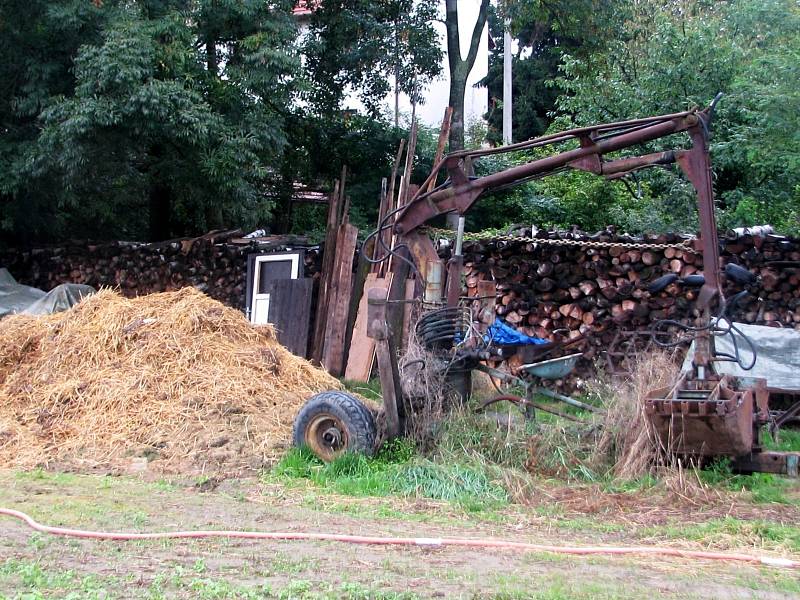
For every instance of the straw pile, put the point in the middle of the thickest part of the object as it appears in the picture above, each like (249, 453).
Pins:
(176, 379)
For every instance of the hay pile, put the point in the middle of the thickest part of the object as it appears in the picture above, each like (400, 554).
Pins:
(628, 439)
(176, 378)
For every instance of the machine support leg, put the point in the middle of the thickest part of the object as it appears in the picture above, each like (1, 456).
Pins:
(782, 463)
(385, 351)
(389, 375)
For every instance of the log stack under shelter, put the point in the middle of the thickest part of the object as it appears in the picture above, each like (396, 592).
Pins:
(215, 263)
(559, 285)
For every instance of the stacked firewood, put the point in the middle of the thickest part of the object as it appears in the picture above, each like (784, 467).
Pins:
(561, 286)
(215, 264)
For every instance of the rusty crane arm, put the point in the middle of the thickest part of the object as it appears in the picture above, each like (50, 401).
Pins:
(460, 192)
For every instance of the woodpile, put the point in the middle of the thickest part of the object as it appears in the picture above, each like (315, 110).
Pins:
(555, 285)
(215, 263)
(562, 286)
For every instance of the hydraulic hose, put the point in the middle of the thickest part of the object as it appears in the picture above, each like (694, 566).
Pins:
(404, 541)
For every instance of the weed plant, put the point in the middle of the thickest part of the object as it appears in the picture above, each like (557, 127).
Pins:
(764, 488)
(394, 470)
(488, 460)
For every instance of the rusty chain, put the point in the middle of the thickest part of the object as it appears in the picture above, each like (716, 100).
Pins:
(492, 236)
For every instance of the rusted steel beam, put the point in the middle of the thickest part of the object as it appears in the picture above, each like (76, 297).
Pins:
(463, 193)
(781, 463)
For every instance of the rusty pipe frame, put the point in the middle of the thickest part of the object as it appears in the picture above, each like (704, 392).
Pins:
(464, 192)
(595, 141)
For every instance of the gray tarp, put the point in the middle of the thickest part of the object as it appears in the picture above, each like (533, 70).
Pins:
(18, 298)
(778, 355)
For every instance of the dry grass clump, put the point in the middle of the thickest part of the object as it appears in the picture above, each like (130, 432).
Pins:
(424, 383)
(628, 439)
(176, 377)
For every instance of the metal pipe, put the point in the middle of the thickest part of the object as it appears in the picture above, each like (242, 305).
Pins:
(567, 400)
(461, 197)
(460, 234)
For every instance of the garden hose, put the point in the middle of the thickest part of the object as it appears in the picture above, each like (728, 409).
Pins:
(406, 541)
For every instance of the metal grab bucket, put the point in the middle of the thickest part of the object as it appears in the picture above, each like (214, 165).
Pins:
(709, 417)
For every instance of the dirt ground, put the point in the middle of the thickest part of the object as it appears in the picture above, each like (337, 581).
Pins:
(33, 565)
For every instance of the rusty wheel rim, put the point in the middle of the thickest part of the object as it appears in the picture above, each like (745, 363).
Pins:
(326, 436)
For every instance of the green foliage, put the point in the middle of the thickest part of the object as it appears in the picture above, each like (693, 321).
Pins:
(674, 56)
(543, 32)
(477, 439)
(788, 440)
(631, 59)
(367, 146)
(396, 471)
(758, 533)
(138, 133)
(764, 488)
(359, 45)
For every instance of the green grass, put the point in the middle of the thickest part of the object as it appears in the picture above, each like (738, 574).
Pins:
(759, 533)
(769, 579)
(394, 471)
(788, 440)
(32, 581)
(480, 460)
(764, 488)
(371, 389)
(478, 438)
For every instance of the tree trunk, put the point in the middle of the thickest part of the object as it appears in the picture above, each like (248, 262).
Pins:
(160, 209)
(457, 92)
(211, 57)
(459, 71)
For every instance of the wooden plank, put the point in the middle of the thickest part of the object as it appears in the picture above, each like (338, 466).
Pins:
(408, 312)
(408, 169)
(325, 279)
(390, 385)
(383, 209)
(359, 279)
(343, 204)
(444, 133)
(386, 234)
(339, 300)
(290, 312)
(362, 347)
(397, 292)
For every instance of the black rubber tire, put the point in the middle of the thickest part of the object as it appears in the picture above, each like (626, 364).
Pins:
(356, 421)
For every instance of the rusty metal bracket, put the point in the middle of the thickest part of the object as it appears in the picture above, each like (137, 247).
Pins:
(780, 463)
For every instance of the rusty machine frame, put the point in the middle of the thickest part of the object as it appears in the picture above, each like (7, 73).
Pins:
(703, 414)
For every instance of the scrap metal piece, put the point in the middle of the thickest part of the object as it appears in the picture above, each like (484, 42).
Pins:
(717, 416)
(780, 463)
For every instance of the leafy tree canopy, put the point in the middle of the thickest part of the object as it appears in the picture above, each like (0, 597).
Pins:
(362, 46)
(543, 32)
(680, 54)
(662, 57)
(124, 129)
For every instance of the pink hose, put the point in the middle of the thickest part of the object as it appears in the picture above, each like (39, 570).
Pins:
(403, 541)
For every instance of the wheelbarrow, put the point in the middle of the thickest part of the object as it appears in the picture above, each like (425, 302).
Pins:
(531, 375)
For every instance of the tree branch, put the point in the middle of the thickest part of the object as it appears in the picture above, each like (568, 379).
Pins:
(475, 41)
(453, 40)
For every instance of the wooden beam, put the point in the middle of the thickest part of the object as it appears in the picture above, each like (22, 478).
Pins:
(328, 260)
(339, 300)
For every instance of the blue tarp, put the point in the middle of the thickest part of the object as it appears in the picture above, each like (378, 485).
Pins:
(500, 332)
